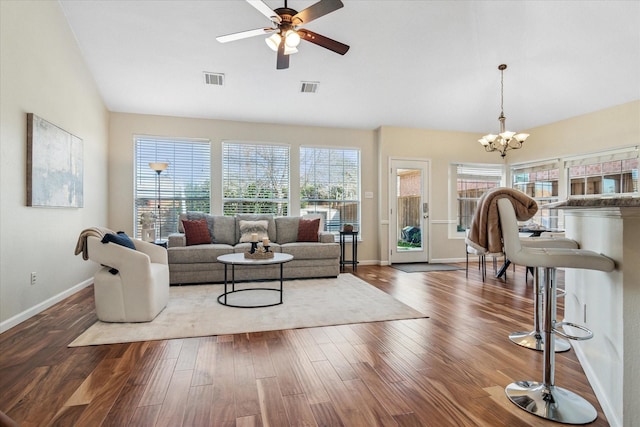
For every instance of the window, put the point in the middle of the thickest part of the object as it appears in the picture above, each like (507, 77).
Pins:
(184, 186)
(541, 183)
(255, 178)
(472, 181)
(330, 185)
(607, 173)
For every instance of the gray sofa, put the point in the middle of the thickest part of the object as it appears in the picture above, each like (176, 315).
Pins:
(198, 264)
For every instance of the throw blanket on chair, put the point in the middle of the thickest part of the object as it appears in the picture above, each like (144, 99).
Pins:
(81, 245)
(485, 233)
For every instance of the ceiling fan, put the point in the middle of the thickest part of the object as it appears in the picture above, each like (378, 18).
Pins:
(286, 32)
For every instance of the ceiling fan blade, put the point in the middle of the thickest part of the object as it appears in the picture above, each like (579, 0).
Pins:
(315, 11)
(245, 34)
(323, 41)
(283, 60)
(265, 10)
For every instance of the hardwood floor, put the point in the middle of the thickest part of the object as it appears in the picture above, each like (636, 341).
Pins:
(447, 370)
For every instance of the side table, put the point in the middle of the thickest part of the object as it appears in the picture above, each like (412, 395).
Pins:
(161, 242)
(354, 249)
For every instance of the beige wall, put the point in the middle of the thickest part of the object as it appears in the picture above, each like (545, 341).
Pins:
(441, 148)
(43, 73)
(121, 152)
(611, 128)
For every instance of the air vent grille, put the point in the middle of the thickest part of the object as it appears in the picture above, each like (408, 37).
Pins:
(309, 87)
(215, 79)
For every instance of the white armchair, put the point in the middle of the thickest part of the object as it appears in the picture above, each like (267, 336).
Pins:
(138, 290)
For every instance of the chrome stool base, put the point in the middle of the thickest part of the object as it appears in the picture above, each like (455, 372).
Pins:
(534, 341)
(551, 403)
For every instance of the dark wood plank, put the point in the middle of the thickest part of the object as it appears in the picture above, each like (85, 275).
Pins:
(448, 369)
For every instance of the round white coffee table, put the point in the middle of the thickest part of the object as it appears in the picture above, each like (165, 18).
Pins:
(239, 259)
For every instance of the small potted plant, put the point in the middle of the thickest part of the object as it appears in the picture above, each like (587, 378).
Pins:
(347, 228)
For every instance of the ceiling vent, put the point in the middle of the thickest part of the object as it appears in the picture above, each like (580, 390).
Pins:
(215, 79)
(309, 87)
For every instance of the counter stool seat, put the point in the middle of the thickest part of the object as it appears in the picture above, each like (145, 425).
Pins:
(533, 339)
(544, 398)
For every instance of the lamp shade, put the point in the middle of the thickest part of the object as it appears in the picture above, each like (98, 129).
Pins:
(273, 41)
(158, 166)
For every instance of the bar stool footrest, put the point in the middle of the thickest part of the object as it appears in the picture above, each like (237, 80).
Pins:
(552, 403)
(588, 332)
(534, 341)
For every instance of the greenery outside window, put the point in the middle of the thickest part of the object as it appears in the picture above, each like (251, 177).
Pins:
(330, 185)
(184, 186)
(472, 181)
(255, 178)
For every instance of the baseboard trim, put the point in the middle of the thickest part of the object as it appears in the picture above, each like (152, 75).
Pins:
(612, 417)
(38, 308)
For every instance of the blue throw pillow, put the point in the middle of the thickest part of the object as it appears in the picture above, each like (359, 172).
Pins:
(120, 239)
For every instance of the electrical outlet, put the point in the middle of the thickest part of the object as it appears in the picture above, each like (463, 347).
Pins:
(34, 277)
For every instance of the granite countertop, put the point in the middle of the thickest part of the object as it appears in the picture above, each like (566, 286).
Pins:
(602, 202)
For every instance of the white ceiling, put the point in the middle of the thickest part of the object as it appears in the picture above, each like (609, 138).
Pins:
(419, 64)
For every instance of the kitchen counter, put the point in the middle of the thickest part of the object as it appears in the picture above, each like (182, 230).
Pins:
(601, 202)
(607, 303)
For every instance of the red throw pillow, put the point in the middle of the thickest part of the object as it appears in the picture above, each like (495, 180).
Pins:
(196, 231)
(308, 230)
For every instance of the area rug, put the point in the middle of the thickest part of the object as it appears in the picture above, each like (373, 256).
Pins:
(421, 267)
(194, 311)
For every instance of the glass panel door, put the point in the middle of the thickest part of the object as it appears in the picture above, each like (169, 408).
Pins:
(409, 211)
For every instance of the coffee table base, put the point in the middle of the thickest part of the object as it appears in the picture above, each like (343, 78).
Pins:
(228, 304)
(222, 299)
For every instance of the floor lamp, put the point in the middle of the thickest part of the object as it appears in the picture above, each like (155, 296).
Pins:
(158, 167)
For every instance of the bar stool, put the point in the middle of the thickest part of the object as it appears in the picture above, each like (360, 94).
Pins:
(533, 339)
(545, 399)
(482, 257)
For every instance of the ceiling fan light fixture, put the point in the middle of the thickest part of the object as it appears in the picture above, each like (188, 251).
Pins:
(292, 38)
(273, 41)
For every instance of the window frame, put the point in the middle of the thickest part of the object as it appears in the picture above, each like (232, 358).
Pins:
(178, 175)
(353, 185)
(535, 174)
(472, 170)
(249, 164)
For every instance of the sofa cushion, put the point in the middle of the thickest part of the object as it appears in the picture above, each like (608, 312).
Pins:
(120, 239)
(196, 232)
(308, 230)
(197, 254)
(304, 250)
(271, 223)
(287, 229)
(224, 229)
(250, 228)
(194, 216)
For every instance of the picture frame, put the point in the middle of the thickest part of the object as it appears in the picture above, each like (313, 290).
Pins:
(54, 165)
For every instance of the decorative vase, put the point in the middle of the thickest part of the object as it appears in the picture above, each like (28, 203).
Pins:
(347, 228)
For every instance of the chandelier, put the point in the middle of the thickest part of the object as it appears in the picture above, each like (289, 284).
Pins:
(505, 140)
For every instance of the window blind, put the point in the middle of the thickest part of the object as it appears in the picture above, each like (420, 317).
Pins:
(255, 178)
(330, 185)
(184, 185)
